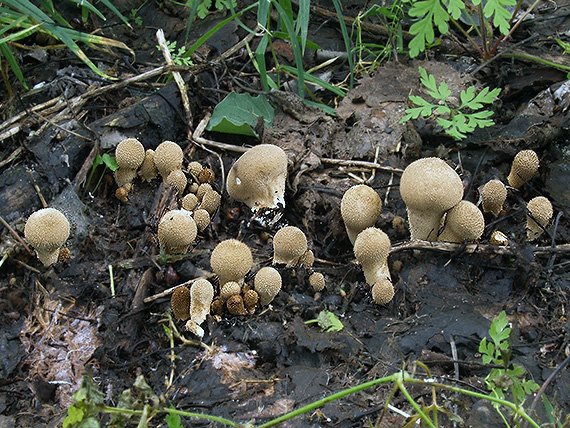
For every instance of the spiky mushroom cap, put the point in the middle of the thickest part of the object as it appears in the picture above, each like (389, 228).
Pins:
(267, 283)
(524, 167)
(180, 303)
(317, 281)
(177, 231)
(148, 169)
(211, 201)
(541, 209)
(168, 156)
(493, 196)
(231, 260)
(189, 202)
(464, 222)
(235, 305)
(129, 154)
(178, 180)
(289, 245)
(360, 208)
(382, 292)
(202, 219)
(429, 187)
(47, 230)
(371, 249)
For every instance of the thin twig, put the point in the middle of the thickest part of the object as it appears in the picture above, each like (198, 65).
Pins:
(456, 374)
(15, 234)
(197, 137)
(170, 290)
(449, 247)
(361, 163)
(11, 157)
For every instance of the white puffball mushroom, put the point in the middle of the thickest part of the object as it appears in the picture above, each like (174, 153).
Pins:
(360, 208)
(201, 297)
(541, 209)
(211, 201)
(267, 283)
(289, 245)
(202, 219)
(129, 155)
(258, 177)
(464, 222)
(231, 260)
(47, 230)
(148, 171)
(168, 156)
(371, 249)
(189, 202)
(177, 231)
(178, 180)
(429, 187)
(229, 289)
(382, 292)
(524, 167)
(493, 196)
(317, 281)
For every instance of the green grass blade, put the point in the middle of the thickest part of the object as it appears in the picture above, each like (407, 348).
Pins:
(315, 80)
(14, 24)
(20, 34)
(26, 7)
(193, 11)
(86, 5)
(302, 25)
(54, 14)
(113, 9)
(260, 58)
(346, 38)
(7, 53)
(263, 12)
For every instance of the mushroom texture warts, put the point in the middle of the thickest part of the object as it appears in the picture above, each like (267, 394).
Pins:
(541, 209)
(429, 187)
(129, 155)
(493, 196)
(231, 260)
(371, 249)
(525, 165)
(47, 230)
(382, 292)
(201, 297)
(289, 245)
(168, 156)
(360, 208)
(258, 177)
(464, 222)
(267, 283)
(177, 231)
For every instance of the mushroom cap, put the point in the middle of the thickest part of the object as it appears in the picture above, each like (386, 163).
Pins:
(250, 300)
(267, 283)
(195, 168)
(229, 289)
(317, 281)
(235, 305)
(168, 156)
(211, 201)
(382, 292)
(525, 164)
(541, 209)
(493, 197)
(148, 169)
(202, 189)
(307, 259)
(124, 176)
(371, 249)
(180, 302)
(231, 260)
(47, 230)
(189, 202)
(360, 208)
(258, 177)
(206, 176)
(464, 222)
(202, 219)
(178, 180)
(289, 245)
(129, 153)
(201, 297)
(177, 231)
(429, 187)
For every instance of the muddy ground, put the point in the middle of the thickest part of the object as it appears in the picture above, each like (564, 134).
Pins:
(62, 322)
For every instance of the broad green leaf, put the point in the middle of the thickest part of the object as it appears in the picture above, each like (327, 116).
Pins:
(75, 414)
(173, 421)
(501, 16)
(238, 114)
(109, 161)
(329, 321)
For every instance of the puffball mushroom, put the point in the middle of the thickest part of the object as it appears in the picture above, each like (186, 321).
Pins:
(129, 155)
(178, 180)
(493, 196)
(267, 283)
(47, 230)
(177, 231)
(429, 187)
(195, 169)
(148, 169)
(202, 189)
(250, 300)
(289, 245)
(464, 222)
(524, 167)
(382, 292)
(229, 289)
(371, 249)
(211, 201)
(236, 305)
(180, 303)
(189, 202)
(168, 156)
(258, 177)
(317, 281)
(202, 219)
(201, 297)
(231, 260)
(541, 209)
(360, 208)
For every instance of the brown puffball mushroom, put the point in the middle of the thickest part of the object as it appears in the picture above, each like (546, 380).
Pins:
(250, 300)
(47, 230)
(371, 249)
(231, 260)
(258, 177)
(235, 305)
(148, 169)
(317, 281)
(177, 231)
(201, 297)
(178, 180)
(189, 202)
(464, 222)
(541, 209)
(429, 187)
(524, 167)
(202, 219)
(382, 292)
(195, 168)
(211, 201)
(168, 156)
(122, 193)
(360, 208)
(267, 283)
(206, 176)
(229, 289)
(180, 303)
(289, 245)
(493, 196)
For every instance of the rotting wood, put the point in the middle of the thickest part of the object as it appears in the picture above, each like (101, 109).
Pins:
(449, 247)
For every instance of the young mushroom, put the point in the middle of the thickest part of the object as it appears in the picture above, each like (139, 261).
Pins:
(258, 177)
(371, 249)
(180, 303)
(177, 231)
(47, 230)
(493, 196)
(148, 171)
(382, 292)
(201, 297)
(211, 201)
(178, 180)
(360, 208)
(289, 245)
(464, 222)
(317, 281)
(230, 288)
(168, 156)
(231, 260)
(267, 283)
(524, 167)
(429, 187)
(202, 219)
(541, 210)
(129, 155)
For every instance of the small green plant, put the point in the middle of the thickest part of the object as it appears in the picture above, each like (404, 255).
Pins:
(460, 120)
(509, 377)
(178, 55)
(327, 321)
(220, 5)
(108, 161)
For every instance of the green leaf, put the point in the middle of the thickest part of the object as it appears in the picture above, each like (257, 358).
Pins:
(329, 321)
(455, 7)
(74, 415)
(238, 114)
(173, 421)
(431, 13)
(501, 16)
(109, 161)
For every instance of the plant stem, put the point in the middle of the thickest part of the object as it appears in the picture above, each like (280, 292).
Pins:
(203, 416)
(514, 27)
(467, 36)
(400, 383)
(537, 59)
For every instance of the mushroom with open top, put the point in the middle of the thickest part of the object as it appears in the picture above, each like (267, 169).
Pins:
(201, 297)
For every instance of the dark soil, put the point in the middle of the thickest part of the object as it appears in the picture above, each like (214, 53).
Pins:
(63, 322)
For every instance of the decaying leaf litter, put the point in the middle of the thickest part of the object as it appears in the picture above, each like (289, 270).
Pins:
(61, 320)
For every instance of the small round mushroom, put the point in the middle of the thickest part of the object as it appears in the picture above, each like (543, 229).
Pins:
(47, 230)
(317, 281)
(524, 167)
(202, 219)
(382, 292)
(206, 176)
(258, 177)
(289, 245)
(429, 187)
(168, 156)
(178, 180)
(371, 249)
(211, 201)
(308, 259)
(250, 300)
(541, 209)
(493, 196)
(189, 202)
(360, 208)
(124, 177)
(177, 231)
(231, 260)
(229, 289)
(148, 171)
(201, 297)
(464, 222)
(195, 169)
(202, 189)
(267, 283)
(129, 154)
(180, 303)
(236, 305)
